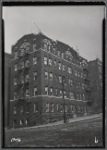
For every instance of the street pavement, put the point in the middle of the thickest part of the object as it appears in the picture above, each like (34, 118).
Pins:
(85, 117)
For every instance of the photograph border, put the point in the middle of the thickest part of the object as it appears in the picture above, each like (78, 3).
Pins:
(104, 54)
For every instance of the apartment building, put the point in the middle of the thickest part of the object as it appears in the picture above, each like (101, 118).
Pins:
(48, 78)
(96, 84)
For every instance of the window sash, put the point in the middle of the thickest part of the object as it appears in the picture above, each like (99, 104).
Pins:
(27, 63)
(35, 91)
(35, 75)
(16, 55)
(14, 110)
(50, 62)
(46, 90)
(45, 60)
(27, 92)
(47, 107)
(27, 78)
(34, 60)
(15, 67)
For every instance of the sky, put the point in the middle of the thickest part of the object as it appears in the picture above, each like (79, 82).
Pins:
(78, 26)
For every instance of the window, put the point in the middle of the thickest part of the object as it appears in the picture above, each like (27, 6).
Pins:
(21, 122)
(22, 65)
(83, 97)
(21, 109)
(100, 69)
(70, 82)
(52, 107)
(14, 110)
(46, 75)
(71, 95)
(35, 60)
(55, 77)
(35, 108)
(22, 79)
(81, 75)
(47, 107)
(34, 47)
(22, 52)
(59, 53)
(49, 48)
(51, 76)
(27, 78)
(69, 70)
(56, 91)
(50, 62)
(15, 81)
(59, 66)
(27, 108)
(55, 63)
(80, 97)
(77, 96)
(63, 67)
(46, 90)
(71, 107)
(85, 109)
(82, 85)
(57, 107)
(15, 67)
(75, 72)
(14, 123)
(45, 60)
(16, 55)
(15, 95)
(61, 108)
(60, 79)
(62, 55)
(79, 85)
(51, 91)
(65, 108)
(74, 109)
(27, 63)
(35, 75)
(27, 49)
(60, 92)
(26, 121)
(79, 108)
(65, 94)
(27, 92)
(45, 47)
(35, 91)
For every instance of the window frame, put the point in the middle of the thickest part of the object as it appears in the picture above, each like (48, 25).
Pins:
(35, 90)
(46, 90)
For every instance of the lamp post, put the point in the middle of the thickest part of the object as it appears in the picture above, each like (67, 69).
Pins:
(63, 80)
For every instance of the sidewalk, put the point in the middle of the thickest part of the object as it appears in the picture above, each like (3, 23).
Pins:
(62, 122)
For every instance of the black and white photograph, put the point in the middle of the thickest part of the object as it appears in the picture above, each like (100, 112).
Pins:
(53, 75)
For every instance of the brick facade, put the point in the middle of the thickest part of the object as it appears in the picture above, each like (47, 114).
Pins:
(49, 65)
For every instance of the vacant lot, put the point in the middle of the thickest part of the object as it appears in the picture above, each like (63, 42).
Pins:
(76, 134)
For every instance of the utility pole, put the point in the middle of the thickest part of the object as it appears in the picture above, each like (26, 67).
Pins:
(63, 81)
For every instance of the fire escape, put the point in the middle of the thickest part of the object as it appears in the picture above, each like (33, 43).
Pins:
(23, 70)
(87, 85)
